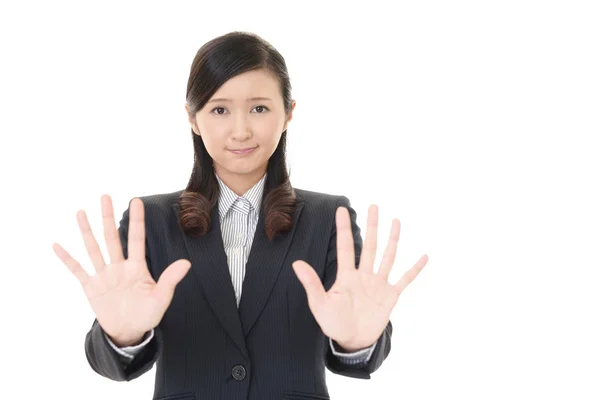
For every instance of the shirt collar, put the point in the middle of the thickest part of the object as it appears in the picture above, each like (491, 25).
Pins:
(227, 196)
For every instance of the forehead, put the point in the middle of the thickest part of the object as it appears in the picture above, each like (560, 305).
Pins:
(257, 83)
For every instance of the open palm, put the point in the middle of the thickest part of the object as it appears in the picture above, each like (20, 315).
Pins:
(124, 296)
(356, 309)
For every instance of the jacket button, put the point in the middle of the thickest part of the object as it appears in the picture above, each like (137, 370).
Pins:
(238, 372)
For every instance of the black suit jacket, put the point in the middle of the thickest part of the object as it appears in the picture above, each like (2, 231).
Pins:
(269, 348)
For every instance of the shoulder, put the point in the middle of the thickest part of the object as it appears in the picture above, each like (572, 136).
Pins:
(159, 204)
(161, 200)
(320, 198)
(322, 207)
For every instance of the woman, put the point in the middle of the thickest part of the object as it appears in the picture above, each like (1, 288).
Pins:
(280, 288)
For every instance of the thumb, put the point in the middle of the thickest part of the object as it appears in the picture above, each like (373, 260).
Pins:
(312, 284)
(171, 276)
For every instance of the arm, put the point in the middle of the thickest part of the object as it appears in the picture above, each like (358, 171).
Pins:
(382, 347)
(102, 357)
(108, 362)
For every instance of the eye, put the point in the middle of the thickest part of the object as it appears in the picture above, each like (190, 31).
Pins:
(217, 108)
(262, 107)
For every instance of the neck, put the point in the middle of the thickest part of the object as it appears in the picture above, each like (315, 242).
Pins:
(240, 183)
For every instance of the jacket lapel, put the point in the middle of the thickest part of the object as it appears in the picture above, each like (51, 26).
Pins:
(210, 266)
(262, 269)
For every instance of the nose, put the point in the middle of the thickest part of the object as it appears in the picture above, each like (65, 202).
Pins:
(241, 131)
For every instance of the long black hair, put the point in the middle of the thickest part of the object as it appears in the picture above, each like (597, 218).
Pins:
(216, 62)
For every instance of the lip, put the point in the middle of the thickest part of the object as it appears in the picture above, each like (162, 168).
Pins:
(247, 150)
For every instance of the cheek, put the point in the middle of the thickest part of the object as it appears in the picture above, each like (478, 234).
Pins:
(270, 131)
(213, 136)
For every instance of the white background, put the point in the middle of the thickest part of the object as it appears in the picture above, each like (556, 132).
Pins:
(473, 122)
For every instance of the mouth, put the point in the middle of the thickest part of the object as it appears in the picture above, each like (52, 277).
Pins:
(243, 151)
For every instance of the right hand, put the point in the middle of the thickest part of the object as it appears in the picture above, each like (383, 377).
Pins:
(124, 296)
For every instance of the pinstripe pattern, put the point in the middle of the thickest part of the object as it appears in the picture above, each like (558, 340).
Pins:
(212, 329)
(239, 217)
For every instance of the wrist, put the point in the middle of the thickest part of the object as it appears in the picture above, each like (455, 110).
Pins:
(126, 341)
(349, 347)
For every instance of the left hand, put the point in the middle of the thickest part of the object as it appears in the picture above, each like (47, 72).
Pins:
(357, 308)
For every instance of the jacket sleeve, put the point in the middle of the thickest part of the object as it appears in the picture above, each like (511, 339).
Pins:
(357, 357)
(383, 345)
(101, 356)
(130, 352)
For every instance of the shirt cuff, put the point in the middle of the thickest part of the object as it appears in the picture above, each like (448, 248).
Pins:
(357, 357)
(130, 352)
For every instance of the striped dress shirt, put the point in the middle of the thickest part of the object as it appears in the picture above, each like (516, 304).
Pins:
(239, 217)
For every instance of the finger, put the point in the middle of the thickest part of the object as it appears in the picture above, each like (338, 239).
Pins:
(369, 250)
(70, 262)
(170, 278)
(411, 274)
(346, 260)
(90, 242)
(136, 241)
(390, 251)
(312, 284)
(111, 234)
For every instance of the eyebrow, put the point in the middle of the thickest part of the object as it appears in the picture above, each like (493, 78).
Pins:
(251, 99)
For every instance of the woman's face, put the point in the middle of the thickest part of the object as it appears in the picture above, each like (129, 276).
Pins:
(246, 112)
